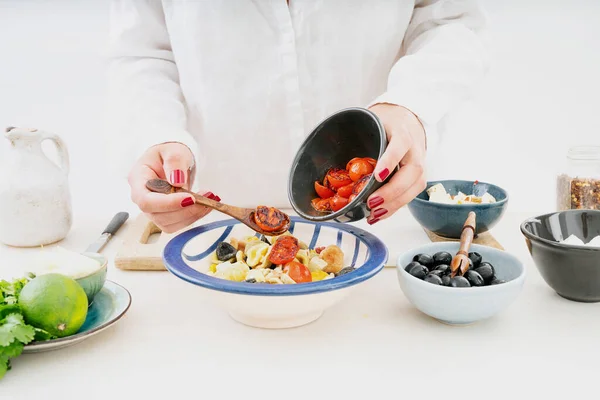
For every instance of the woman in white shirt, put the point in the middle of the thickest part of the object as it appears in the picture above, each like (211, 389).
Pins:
(200, 91)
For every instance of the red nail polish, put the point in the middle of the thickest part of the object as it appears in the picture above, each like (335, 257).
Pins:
(372, 221)
(216, 198)
(188, 201)
(210, 195)
(380, 212)
(384, 174)
(375, 202)
(177, 177)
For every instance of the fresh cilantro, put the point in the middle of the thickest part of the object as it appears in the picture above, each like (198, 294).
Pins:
(14, 332)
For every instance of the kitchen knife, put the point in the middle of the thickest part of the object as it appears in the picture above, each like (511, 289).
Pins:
(112, 228)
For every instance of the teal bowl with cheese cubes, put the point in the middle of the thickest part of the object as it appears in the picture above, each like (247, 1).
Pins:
(444, 205)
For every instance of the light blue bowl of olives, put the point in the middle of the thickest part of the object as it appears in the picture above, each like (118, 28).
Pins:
(492, 283)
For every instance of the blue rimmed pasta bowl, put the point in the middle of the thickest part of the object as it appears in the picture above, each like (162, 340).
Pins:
(189, 257)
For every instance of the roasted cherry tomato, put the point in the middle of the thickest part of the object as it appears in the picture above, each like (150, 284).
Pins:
(323, 191)
(359, 168)
(270, 219)
(345, 191)
(284, 250)
(338, 177)
(298, 272)
(371, 161)
(349, 164)
(352, 196)
(338, 202)
(360, 185)
(321, 205)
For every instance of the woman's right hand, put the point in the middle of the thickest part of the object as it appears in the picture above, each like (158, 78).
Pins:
(173, 162)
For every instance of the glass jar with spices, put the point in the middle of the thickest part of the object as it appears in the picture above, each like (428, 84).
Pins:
(578, 184)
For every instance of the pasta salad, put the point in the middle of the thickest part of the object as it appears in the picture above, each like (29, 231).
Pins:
(276, 260)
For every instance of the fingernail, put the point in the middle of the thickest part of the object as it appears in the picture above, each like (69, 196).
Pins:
(210, 195)
(375, 202)
(384, 174)
(188, 201)
(217, 198)
(177, 177)
(380, 212)
(372, 221)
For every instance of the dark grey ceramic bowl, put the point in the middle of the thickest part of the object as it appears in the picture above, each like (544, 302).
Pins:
(572, 271)
(447, 220)
(349, 133)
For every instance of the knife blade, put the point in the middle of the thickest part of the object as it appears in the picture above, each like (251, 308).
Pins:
(112, 228)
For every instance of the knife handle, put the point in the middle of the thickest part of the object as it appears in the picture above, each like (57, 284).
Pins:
(116, 223)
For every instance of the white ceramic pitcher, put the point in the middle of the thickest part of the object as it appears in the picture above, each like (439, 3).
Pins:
(35, 200)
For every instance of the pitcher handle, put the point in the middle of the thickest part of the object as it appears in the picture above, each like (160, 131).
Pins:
(61, 147)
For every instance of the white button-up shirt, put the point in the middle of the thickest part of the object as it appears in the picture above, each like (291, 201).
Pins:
(243, 82)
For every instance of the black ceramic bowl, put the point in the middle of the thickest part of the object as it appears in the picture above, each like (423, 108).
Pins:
(447, 220)
(572, 271)
(349, 133)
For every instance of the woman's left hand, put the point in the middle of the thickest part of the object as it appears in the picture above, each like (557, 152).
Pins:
(406, 147)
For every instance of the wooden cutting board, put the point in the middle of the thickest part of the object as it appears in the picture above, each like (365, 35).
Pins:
(484, 239)
(136, 253)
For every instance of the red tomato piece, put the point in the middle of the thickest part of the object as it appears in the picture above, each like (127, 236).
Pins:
(338, 202)
(323, 191)
(270, 219)
(321, 205)
(352, 197)
(318, 250)
(298, 272)
(359, 169)
(284, 250)
(371, 161)
(345, 191)
(360, 185)
(338, 177)
(349, 164)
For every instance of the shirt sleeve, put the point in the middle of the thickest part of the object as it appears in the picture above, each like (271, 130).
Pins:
(442, 60)
(145, 104)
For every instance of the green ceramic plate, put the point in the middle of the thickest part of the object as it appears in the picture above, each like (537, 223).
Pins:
(110, 304)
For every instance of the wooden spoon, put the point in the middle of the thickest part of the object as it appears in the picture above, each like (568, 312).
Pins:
(245, 215)
(460, 262)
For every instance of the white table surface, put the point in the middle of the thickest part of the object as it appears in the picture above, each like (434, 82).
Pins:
(171, 343)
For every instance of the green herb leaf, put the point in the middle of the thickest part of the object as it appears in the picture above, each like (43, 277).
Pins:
(13, 350)
(4, 365)
(41, 335)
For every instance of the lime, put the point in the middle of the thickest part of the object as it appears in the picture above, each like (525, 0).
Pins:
(54, 303)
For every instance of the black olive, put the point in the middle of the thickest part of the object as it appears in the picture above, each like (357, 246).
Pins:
(436, 280)
(486, 270)
(344, 271)
(418, 271)
(459, 281)
(424, 259)
(442, 257)
(444, 268)
(475, 258)
(410, 265)
(497, 281)
(436, 272)
(474, 278)
(225, 251)
(446, 280)
(251, 280)
(263, 238)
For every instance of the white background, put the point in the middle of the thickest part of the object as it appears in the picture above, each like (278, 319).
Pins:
(541, 94)
(540, 97)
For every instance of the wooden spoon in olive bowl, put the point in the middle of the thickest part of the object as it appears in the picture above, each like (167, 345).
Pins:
(268, 221)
